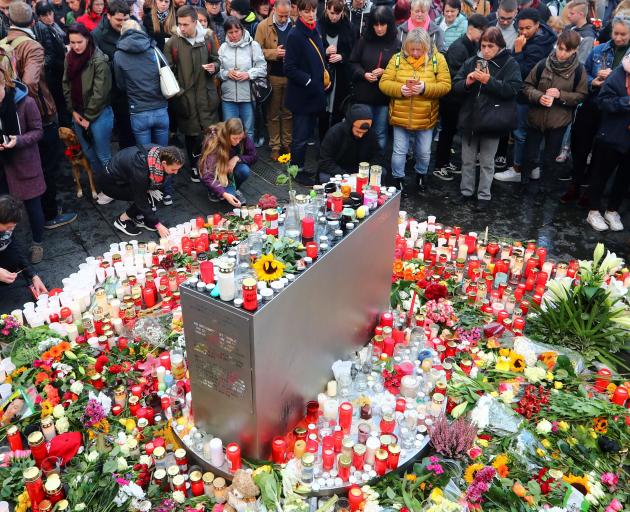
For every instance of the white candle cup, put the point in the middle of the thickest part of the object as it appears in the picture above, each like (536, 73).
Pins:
(217, 458)
(117, 324)
(331, 388)
(331, 410)
(151, 247)
(72, 332)
(431, 219)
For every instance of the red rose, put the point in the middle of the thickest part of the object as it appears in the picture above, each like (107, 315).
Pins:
(115, 369)
(435, 291)
(101, 361)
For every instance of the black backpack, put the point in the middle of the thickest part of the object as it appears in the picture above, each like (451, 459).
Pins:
(576, 77)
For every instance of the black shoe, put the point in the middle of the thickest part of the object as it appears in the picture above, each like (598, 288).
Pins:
(462, 199)
(399, 183)
(482, 205)
(566, 176)
(500, 163)
(194, 175)
(139, 223)
(307, 180)
(128, 227)
(443, 174)
(421, 182)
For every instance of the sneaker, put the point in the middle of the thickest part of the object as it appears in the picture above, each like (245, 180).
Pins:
(139, 223)
(596, 221)
(564, 155)
(566, 176)
(452, 168)
(213, 197)
(500, 162)
(194, 175)
(399, 183)
(535, 174)
(128, 227)
(613, 219)
(310, 141)
(275, 153)
(510, 175)
(241, 197)
(421, 182)
(60, 220)
(260, 142)
(37, 253)
(461, 199)
(443, 174)
(103, 199)
(167, 200)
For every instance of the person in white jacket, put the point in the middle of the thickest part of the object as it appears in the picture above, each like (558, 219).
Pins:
(242, 61)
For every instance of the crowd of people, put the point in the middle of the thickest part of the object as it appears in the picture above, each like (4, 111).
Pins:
(358, 80)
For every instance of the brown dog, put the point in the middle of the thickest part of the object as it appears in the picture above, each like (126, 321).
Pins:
(78, 160)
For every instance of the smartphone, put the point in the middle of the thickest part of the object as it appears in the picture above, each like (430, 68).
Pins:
(411, 83)
(481, 65)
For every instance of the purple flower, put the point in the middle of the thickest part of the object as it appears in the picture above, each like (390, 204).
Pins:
(94, 413)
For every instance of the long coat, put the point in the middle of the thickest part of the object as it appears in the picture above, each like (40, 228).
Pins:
(196, 105)
(22, 165)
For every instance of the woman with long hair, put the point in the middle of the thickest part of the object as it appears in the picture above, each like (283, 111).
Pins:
(94, 12)
(368, 61)
(160, 22)
(226, 156)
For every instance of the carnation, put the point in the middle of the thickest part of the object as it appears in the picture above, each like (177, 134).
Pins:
(76, 387)
(62, 425)
(59, 411)
(122, 464)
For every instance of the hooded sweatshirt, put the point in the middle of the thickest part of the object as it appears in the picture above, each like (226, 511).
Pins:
(244, 55)
(587, 38)
(537, 48)
(136, 72)
(435, 33)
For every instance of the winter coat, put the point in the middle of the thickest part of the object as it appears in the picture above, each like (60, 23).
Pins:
(304, 70)
(341, 150)
(418, 112)
(453, 31)
(129, 169)
(503, 87)
(267, 38)
(435, 33)
(359, 18)
(60, 12)
(216, 23)
(340, 72)
(367, 56)
(561, 111)
(29, 62)
(587, 38)
(22, 165)
(537, 48)
(196, 105)
(106, 38)
(159, 36)
(52, 39)
(247, 155)
(136, 72)
(245, 55)
(96, 85)
(459, 52)
(614, 105)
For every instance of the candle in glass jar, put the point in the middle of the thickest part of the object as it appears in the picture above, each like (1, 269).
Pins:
(343, 467)
(48, 428)
(37, 444)
(233, 456)
(330, 409)
(279, 450)
(328, 459)
(355, 499)
(393, 456)
(345, 416)
(380, 465)
(14, 437)
(620, 396)
(196, 483)
(603, 379)
(34, 485)
(409, 386)
(216, 452)
(371, 445)
(358, 456)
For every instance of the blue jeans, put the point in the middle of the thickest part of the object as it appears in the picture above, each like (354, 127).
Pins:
(241, 173)
(380, 116)
(421, 150)
(151, 126)
(303, 126)
(100, 152)
(244, 110)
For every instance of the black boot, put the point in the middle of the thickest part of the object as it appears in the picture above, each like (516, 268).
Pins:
(399, 183)
(421, 182)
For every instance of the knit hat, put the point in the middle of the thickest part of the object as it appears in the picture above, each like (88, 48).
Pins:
(359, 113)
(241, 6)
(20, 13)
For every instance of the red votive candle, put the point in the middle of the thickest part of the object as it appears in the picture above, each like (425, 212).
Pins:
(328, 459)
(345, 416)
(603, 379)
(308, 228)
(278, 450)
(620, 396)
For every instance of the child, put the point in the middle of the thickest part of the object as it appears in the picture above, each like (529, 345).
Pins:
(226, 157)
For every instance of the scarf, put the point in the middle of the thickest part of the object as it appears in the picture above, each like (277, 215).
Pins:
(562, 68)
(411, 25)
(310, 26)
(76, 65)
(8, 114)
(156, 171)
(330, 29)
(281, 28)
(161, 16)
(416, 63)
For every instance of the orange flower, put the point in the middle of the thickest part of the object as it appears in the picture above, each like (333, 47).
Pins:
(64, 345)
(529, 499)
(408, 275)
(41, 377)
(503, 471)
(549, 359)
(519, 490)
(398, 266)
(419, 276)
(46, 356)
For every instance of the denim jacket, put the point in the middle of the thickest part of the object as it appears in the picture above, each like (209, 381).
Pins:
(602, 54)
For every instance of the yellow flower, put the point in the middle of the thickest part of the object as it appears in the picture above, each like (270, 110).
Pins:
(483, 443)
(436, 495)
(494, 394)
(284, 159)
(268, 269)
(504, 352)
(47, 408)
(546, 443)
(549, 376)
(558, 385)
(503, 364)
(563, 426)
(572, 441)
(517, 362)
(540, 452)
(410, 477)
(471, 471)
(500, 460)
(580, 483)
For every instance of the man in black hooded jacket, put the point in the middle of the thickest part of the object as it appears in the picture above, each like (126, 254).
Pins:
(349, 142)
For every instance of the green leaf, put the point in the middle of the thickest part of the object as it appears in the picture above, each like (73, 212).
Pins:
(534, 487)
(293, 170)
(282, 179)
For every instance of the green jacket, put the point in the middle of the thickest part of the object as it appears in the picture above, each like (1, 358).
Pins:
(196, 105)
(96, 84)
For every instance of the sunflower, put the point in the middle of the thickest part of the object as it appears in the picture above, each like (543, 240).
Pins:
(471, 472)
(47, 408)
(284, 159)
(600, 425)
(268, 269)
(500, 464)
(517, 362)
(579, 483)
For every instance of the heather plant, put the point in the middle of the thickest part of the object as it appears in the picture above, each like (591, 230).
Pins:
(452, 440)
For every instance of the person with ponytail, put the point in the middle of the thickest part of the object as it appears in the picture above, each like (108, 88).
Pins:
(226, 157)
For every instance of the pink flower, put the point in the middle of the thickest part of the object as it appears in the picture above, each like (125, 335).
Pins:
(475, 452)
(614, 506)
(610, 479)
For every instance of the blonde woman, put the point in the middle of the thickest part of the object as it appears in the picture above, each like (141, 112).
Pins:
(419, 18)
(160, 22)
(415, 80)
(226, 157)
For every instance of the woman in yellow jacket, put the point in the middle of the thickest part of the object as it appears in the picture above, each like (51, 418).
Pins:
(415, 80)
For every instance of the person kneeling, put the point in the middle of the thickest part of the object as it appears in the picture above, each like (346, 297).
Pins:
(137, 174)
(349, 142)
(226, 157)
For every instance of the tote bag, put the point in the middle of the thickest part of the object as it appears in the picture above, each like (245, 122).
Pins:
(168, 82)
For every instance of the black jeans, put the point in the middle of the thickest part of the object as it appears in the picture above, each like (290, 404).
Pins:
(120, 192)
(193, 149)
(50, 154)
(449, 114)
(122, 122)
(583, 131)
(303, 126)
(610, 159)
(553, 142)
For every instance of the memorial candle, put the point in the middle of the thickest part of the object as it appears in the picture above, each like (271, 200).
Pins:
(345, 416)
(233, 456)
(620, 396)
(279, 450)
(603, 379)
(216, 452)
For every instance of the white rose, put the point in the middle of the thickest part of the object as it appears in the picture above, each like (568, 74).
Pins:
(92, 456)
(122, 464)
(179, 497)
(79, 507)
(543, 427)
(62, 425)
(76, 387)
(534, 374)
(145, 459)
(59, 411)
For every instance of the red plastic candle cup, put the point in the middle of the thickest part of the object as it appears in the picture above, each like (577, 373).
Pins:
(311, 250)
(358, 457)
(345, 416)
(328, 443)
(387, 319)
(355, 499)
(393, 456)
(165, 402)
(401, 405)
(337, 440)
(14, 437)
(312, 412)
(503, 314)
(603, 379)
(328, 459)
(136, 390)
(388, 346)
(466, 366)
(216, 219)
(620, 396)
(380, 464)
(278, 450)
(117, 410)
(233, 456)
(541, 252)
(165, 360)
(525, 306)
(308, 228)
(207, 271)
(518, 324)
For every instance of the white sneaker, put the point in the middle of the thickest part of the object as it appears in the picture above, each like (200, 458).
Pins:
(509, 175)
(614, 221)
(596, 221)
(535, 174)
(564, 155)
(103, 198)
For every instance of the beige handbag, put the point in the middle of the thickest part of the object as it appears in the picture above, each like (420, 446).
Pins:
(168, 82)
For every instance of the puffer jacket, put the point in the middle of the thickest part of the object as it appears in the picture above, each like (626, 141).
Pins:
(418, 112)
(561, 111)
(614, 103)
(453, 31)
(96, 85)
(246, 55)
(435, 33)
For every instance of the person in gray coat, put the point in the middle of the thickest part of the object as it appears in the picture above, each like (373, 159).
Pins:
(241, 60)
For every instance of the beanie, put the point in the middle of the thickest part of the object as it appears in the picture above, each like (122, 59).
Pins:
(241, 6)
(20, 14)
(359, 112)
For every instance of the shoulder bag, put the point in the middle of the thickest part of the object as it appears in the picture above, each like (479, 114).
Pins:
(168, 82)
(260, 87)
(326, 73)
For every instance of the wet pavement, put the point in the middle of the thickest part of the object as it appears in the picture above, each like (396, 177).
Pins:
(537, 216)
